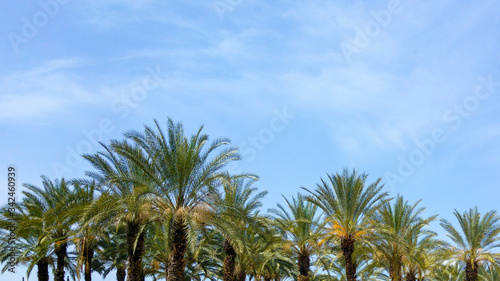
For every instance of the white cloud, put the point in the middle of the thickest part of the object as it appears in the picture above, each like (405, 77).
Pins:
(51, 90)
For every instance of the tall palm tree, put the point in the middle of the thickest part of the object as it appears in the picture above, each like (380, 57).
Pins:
(111, 252)
(421, 250)
(124, 203)
(348, 204)
(53, 200)
(32, 247)
(185, 173)
(265, 258)
(474, 241)
(398, 223)
(298, 221)
(86, 234)
(236, 206)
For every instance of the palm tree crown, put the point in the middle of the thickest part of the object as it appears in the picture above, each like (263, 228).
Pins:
(348, 205)
(474, 241)
(185, 174)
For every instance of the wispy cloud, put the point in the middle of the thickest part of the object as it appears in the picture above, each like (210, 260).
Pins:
(59, 88)
(43, 91)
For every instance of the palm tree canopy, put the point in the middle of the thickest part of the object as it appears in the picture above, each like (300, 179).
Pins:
(299, 221)
(477, 236)
(348, 203)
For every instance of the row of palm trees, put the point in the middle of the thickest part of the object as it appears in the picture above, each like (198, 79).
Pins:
(161, 205)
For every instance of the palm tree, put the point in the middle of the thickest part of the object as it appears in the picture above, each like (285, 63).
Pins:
(348, 205)
(265, 258)
(236, 207)
(111, 252)
(399, 225)
(86, 235)
(420, 254)
(32, 247)
(477, 237)
(300, 228)
(123, 202)
(185, 174)
(53, 200)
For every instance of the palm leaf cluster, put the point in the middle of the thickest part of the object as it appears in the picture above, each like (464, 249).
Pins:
(160, 205)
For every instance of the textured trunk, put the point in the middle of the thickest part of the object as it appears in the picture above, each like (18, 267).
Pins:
(88, 253)
(134, 271)
(303, 265)
(61, 251)
(395, 270)
(43, 270)
(229, 261)
(471, 271)
(179, 245)
(347, 246)
(120, 273)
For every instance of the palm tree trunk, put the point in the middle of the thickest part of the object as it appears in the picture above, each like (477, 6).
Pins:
(395, 270)
(229, 261)
(347, 245)
(134, 270)
(471, 271)
(120, 273)
(43, 270)
(303, 265)
(176, 264)
(61, 252)
(88, 253)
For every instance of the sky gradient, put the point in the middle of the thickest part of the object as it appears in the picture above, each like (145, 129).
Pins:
(408, 91)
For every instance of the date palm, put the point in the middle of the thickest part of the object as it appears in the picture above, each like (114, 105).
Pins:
(111, 252)
(86, 235)
(33, 250)
(236, 207)
(123, 203)
(186, 173)
(52, 200)
(474, 241)
(400, 224)
(298, 222)
(421, 254)
(348, 204)
(265, 258)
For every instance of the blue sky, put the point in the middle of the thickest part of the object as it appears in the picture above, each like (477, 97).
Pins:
(408, 91)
